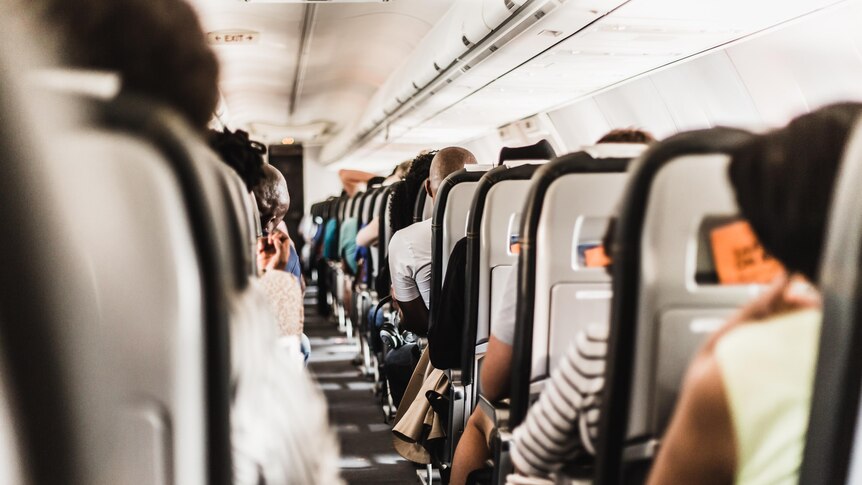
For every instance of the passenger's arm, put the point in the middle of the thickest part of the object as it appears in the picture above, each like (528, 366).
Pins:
(368, 234)
(699, 444)
(496, 374)
(550, 435)
(414, 316)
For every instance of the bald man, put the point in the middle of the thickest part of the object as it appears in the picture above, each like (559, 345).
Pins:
(410, 248)
(275, 250)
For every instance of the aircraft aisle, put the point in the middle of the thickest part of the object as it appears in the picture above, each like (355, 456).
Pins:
(367, 455)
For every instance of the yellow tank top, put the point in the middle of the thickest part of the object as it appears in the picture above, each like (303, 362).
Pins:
(768, 372)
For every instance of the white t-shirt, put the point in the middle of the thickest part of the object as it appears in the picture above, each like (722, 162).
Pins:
(410, 262)
(503, 325)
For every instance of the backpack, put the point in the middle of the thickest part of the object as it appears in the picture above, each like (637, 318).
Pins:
(446, 330)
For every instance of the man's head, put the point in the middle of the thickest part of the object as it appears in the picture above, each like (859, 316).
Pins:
(156, 46)
(273, 198)
(446, 162)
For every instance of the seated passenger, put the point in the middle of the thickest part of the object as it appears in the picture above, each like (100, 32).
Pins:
(170, 63)
(410, 248)
(551, 451)
(275, 249)
(279, 425)
(742, 415)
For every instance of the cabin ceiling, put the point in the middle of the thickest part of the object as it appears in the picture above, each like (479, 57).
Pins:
(381, 81)
(352, 48)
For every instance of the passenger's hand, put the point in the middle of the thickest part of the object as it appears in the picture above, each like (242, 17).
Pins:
(273, 251)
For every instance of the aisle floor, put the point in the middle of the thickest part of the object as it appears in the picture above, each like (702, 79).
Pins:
(367, 456)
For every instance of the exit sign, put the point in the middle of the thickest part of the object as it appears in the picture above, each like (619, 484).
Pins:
(233, 37)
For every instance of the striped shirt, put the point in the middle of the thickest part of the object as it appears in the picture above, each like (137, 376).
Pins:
(563, 424)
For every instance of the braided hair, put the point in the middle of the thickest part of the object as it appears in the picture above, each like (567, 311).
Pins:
(240, 153)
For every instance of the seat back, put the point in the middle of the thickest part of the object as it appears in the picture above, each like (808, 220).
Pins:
(833, 448)
(449, 222)
(219, 240)
(47, 332)
(568, 208)
(493, 221)
(423, 206)
(355, 203)
(660, 312)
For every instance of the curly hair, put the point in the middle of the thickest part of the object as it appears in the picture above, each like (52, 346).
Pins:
(157, 46)
(240, 153)
(404, 198)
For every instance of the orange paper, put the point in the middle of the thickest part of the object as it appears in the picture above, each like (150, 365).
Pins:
(596, 257)
(739, 257)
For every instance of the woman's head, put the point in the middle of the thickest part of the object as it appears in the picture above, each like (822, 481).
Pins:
(404, 197)
(784, 180)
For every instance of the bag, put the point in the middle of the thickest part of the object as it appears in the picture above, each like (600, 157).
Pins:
(446, 330)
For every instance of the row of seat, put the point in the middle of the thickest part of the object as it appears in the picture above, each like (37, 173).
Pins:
(661, 296)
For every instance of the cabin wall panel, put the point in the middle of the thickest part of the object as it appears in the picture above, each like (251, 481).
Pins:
(637, 104)
(757, 84)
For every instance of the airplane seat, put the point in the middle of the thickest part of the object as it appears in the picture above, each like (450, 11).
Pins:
(833, 448)
(54, 407)
(665, 300)
(448, 226)
(492, 221)
(421, 209)
(541, 150)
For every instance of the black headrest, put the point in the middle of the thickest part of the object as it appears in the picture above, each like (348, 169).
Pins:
(540, 151)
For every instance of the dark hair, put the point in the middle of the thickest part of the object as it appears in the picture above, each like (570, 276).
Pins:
(404, 198)
(157, 46)
(240, 153)
(375, 181)
(627, 135)
(784, 179)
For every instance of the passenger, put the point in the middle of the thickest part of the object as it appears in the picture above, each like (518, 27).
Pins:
(742, 415)
(279, 425)
(164, 57)
(354, 181)
(275, 249)
(410, 248)
(534, 452)
(240, 153)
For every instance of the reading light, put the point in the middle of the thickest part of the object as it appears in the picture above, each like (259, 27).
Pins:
(288, 141)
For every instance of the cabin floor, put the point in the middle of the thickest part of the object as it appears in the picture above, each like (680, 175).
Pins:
(367, 456)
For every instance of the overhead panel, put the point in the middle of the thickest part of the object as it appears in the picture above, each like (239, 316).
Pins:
(592, 52)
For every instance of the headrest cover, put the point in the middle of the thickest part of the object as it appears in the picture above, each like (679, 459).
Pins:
(615, 150)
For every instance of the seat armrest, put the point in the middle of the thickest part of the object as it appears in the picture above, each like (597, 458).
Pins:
(498, 413)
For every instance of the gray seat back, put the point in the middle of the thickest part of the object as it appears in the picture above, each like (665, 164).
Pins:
(449, 222)
(569, 205)
(833, 449)
(660, 313)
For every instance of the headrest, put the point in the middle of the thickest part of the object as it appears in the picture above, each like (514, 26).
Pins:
(615, 150)
(539, 151)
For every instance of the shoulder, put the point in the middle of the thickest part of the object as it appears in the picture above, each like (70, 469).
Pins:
(748, 338)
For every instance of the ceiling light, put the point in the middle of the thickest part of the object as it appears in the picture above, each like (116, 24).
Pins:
(288, 141)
